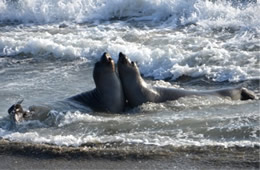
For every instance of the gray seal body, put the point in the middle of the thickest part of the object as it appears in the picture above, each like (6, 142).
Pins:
(108, 96)
(137, 91)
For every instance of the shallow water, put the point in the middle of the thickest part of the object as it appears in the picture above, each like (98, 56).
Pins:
(48, 50)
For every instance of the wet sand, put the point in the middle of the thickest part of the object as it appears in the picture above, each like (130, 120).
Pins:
(24, 162)
(14, 155)
(21, 162)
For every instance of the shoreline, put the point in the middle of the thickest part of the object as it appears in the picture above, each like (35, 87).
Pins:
(116, 156)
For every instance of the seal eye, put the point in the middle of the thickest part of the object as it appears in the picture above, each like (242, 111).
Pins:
(133, 63)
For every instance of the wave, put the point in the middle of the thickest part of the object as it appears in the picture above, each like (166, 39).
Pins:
(173, 12)
(217, 39)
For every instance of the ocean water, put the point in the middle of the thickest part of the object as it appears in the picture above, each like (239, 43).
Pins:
(48, 50)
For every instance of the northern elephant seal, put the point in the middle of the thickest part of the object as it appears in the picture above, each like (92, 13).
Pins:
(137, 91)
(108, 96)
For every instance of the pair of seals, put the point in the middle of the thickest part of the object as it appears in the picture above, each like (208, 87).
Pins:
(137, 91)
(111, 92)
(108, 95)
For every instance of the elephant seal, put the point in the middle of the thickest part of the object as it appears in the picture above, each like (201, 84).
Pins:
(108, 96)
(137, 91)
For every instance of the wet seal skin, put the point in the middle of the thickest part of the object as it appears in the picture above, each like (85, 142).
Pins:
(137, 91)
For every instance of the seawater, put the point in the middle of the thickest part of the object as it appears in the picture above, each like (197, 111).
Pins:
(48, 50)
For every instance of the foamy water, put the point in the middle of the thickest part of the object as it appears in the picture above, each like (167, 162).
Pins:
(48, 50)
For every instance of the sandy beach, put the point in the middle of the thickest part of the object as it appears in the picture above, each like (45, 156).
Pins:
(20, 162)
(16, 155)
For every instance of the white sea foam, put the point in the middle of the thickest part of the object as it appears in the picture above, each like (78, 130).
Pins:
(171, 11)
(204, 49)
(81, 10)
(129, 138)
(203, 122)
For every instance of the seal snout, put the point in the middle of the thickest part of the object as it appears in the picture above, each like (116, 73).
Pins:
(123, 58)
(106, 57)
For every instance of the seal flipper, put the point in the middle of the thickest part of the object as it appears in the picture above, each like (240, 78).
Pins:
(14, 106)
(247, 94)
(16, 112)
